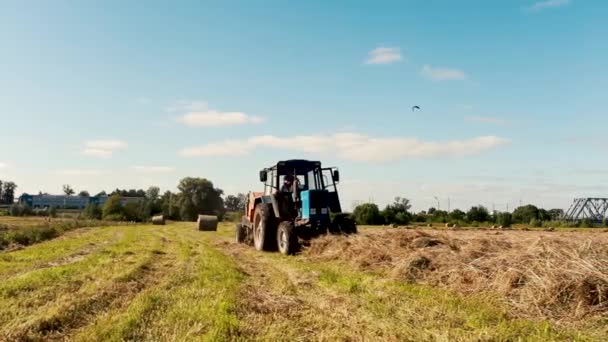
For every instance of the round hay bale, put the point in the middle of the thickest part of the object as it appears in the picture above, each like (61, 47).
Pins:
(447, 225)
(494, 227)
(394, 225)
(158, 220)
(207, 222)
(525, 228)
(429, 225)
(550, 229)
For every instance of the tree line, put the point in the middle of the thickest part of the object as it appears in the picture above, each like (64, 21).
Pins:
(398, 212)
(194, 196)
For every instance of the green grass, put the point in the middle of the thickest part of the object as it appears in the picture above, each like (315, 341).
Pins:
(25, 231)
(175, 283)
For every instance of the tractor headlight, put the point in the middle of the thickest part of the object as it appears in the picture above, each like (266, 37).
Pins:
(324, 211)
(313, 211)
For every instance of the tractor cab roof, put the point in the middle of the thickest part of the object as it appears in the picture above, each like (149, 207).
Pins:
(301, 166)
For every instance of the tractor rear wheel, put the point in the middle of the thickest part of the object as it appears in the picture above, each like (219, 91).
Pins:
(286, 238)
(240, 233)
(263, 228)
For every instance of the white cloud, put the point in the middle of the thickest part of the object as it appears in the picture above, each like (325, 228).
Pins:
(3, 165)
(541, 5)
(214, 118)
(103, 148)
(487, 120)
(94, 152)
(79, 172)
(442, 74)
(353, 146)
(384, 55)
(106, 144)
(198, 114)
(152, 169)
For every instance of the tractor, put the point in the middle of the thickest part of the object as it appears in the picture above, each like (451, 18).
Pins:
(299, 202)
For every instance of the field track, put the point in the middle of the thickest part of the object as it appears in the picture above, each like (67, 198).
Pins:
(174, 283)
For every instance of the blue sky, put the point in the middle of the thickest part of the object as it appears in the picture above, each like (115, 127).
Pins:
(122, 94)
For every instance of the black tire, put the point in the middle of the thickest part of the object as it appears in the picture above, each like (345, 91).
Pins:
(343, 225)
(263, 229)
(240, 233)
(287, 241)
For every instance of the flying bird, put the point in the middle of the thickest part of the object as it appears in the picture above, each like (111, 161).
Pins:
(415, 107)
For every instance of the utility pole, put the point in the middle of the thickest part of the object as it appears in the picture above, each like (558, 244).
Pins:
(438, 204)
(448, 204)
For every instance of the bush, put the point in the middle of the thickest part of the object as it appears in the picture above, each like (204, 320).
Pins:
(20, 210)
(114, 217)
(133, 212)
(53, 211)
(368, 214)
(587, 223)
(92, 212)
(504, 219)
(113, 207)
(536, 223)
(233, 216)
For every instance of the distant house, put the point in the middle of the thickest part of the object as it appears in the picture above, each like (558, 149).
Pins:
(69, 202)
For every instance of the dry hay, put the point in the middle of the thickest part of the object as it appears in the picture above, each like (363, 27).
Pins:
(557, 276)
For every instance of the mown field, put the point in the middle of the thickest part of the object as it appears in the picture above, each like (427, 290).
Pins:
(174, 283)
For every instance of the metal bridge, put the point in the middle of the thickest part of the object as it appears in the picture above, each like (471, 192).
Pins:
(594, 209)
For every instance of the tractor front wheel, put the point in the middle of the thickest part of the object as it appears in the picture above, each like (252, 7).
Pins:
(286, 238)
(240, 233)
(263, 228)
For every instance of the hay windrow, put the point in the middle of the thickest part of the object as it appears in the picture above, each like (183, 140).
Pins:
(554, 275)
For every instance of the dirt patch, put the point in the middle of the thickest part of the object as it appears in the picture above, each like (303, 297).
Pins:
(555, 275)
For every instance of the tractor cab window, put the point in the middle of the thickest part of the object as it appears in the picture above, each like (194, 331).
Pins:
(330, 185)
(301, 181)
(313, 180)
(269, 186)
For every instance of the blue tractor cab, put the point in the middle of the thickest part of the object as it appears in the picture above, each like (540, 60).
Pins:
(300, 201)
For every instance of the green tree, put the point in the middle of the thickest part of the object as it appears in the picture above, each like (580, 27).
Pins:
(236, 202)
(525, 214)
(113, 208)
(556, 214)
(440, 216)
(67, 190)
(8, 192)
(397, 212)
(132, 211)
(103, 193)
(169, 204)
(456, 215)
(92, 211)
(84, 193)
(504, 219)
(153, 193)
(198, 196)
(478, 214)
(368, 213)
